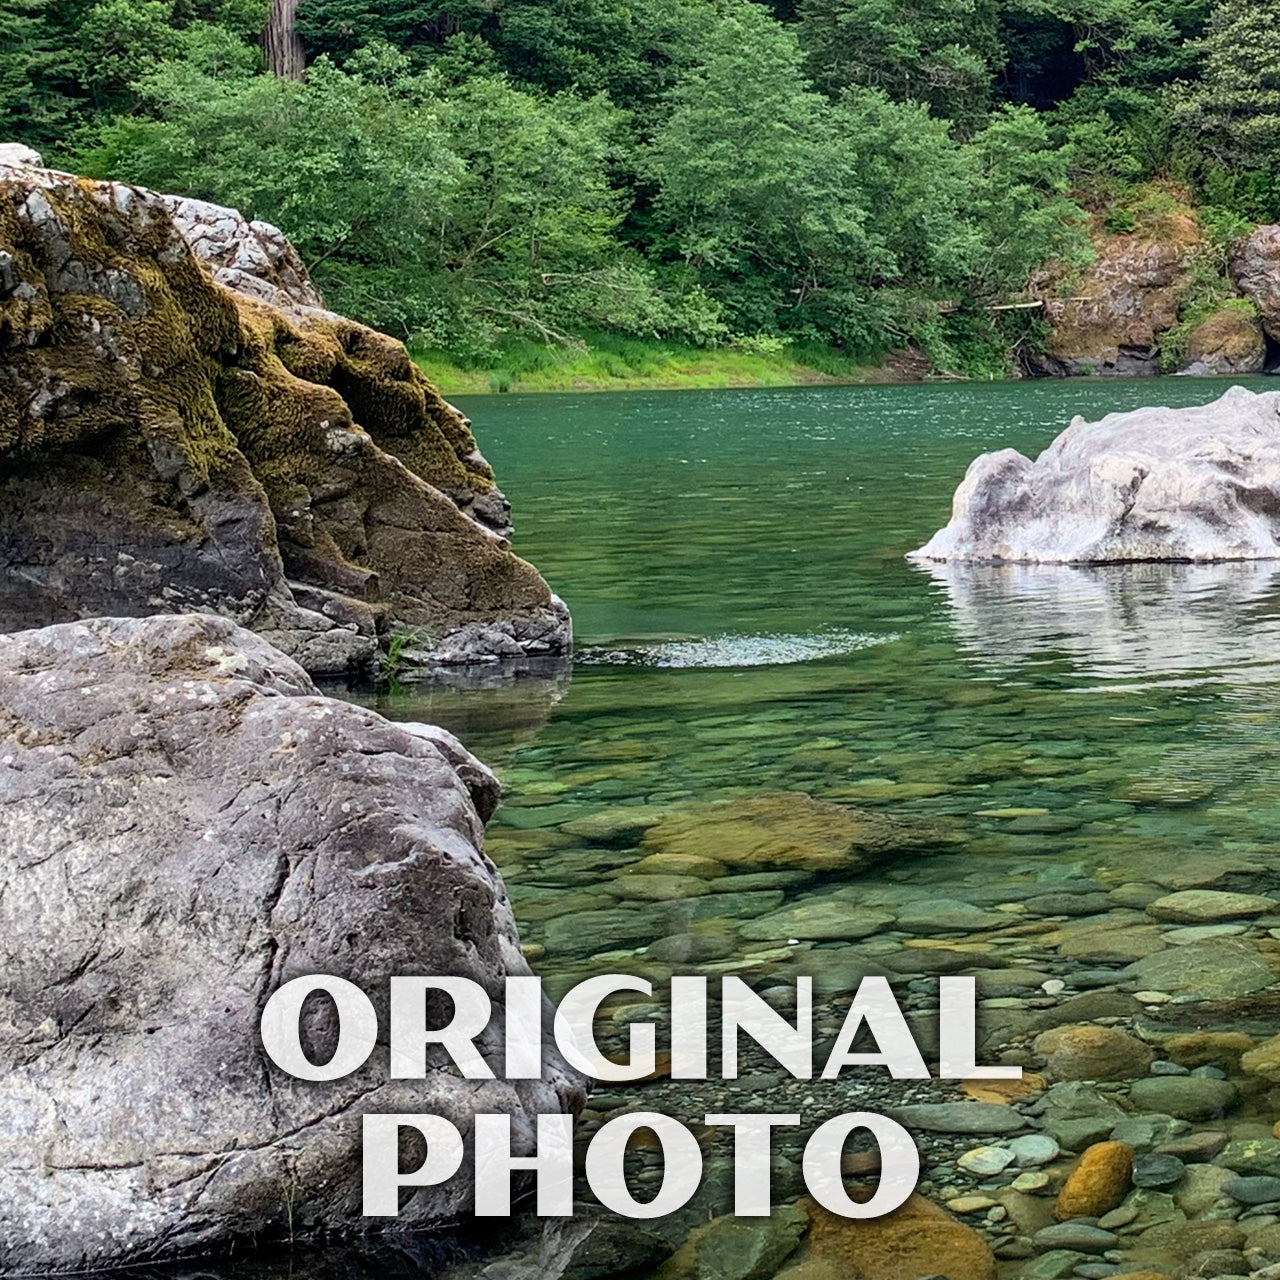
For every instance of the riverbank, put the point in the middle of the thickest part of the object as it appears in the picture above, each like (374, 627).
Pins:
(611, 363)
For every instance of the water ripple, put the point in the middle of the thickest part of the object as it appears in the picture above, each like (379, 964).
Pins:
(734, 650)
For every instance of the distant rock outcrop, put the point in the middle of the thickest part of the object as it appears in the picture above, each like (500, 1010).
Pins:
(1155, 484)
(1121, 312)
(1112, 324)
(1255, 269)
(1230, 341)
(183, 427)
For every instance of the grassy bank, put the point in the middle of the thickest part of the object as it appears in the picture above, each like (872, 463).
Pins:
(610, 363)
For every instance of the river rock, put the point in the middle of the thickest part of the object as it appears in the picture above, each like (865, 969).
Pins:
(791, 831)
(1186, 1097)
(1076, 1235)
(1207, 906)
(960, 1117)
(915, 1241)
(1252, 1156)
(1154, 1171)
(1033, 1149)
(1078, 1116)
(1098, 1182)
(817, 919)
(985, 1162)
(1201, 483)
(947, 915)
(585, 932)
(185, 825)
(1202, 1186)
(1178, 1241)
(1259, 1189)
(1224, 970)
(1208, 1048)
(1093, 1053)
(733, 1248)
(184, 429)
(1264, 1060)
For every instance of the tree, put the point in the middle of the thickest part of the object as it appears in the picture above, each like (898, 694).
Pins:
(352, 169)
(751, 188)
(1018, 198)
(940, 52)
(447, 212)
(119, 41)
(40, 92)
(281, 43)
(1233, 112)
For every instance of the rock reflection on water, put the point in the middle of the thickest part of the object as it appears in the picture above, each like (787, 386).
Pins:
(494, 708)
(1218, 622)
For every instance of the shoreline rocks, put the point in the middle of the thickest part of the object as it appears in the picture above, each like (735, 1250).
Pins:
(183, 428)
(1126, 301)
(185, 825)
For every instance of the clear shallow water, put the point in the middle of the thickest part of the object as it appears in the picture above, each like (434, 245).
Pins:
(747, 622)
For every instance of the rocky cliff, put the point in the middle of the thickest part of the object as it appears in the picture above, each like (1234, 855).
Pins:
(1113, 321)
(183, 427)
(1134, 312)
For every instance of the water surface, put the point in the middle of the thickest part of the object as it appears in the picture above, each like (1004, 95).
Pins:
(746, 622)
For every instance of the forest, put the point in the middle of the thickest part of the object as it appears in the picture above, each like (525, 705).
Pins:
(848, 176)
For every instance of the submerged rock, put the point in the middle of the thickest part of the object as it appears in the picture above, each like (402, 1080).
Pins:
(791, 831)
(185, 824)
(915, 1241)
(1097, 1184)
(1201, 483)
(184, 428)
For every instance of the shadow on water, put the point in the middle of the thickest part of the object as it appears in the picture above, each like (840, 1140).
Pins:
(494, 708)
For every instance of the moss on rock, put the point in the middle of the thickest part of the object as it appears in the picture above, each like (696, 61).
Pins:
(168, 444)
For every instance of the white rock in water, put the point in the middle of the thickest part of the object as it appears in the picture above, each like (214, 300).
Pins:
(1201, 483)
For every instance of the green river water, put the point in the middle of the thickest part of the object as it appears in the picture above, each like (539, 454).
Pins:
(746, 622)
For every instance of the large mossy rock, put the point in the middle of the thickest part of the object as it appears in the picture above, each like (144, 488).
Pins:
(1201, 483)
(1230, 341)
(182, 427)
(186, 824)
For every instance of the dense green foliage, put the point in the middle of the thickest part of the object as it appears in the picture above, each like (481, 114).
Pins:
(862, 174)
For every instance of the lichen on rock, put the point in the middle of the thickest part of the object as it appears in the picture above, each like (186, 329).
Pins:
(184, 427)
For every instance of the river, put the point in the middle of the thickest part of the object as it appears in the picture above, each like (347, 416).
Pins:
(1074, 743)
(746, 621)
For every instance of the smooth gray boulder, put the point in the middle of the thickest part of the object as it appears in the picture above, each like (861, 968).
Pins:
(185, 824)
(1195, 484)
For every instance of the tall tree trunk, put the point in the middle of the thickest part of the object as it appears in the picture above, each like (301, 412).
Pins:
(281, 42)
